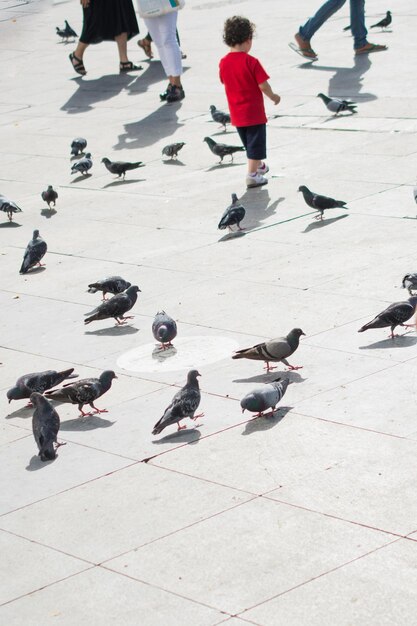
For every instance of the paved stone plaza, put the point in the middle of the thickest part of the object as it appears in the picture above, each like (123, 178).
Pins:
(306, 518)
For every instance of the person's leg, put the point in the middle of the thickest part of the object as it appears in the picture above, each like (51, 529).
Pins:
(146, 45)
(76, 58)
(312, 25)
(163, 32)
(256, 151)
(121, 41)
(359, 32)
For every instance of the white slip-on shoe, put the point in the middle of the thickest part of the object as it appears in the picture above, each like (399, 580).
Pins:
(263, 169)
(255, 180)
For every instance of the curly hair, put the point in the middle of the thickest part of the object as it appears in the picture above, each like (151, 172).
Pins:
(237, 29)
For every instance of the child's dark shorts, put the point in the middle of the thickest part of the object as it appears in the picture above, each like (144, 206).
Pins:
(254, 140)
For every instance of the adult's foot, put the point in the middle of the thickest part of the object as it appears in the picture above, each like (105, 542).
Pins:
(146, 46)
(304, 47)
(77, 64)
(370, 47)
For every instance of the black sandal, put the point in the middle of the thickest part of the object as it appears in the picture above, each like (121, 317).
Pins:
(79, 65)
(128, 66)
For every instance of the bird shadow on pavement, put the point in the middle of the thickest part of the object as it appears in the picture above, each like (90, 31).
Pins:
(173, 162)
(36, 270)
(161, 123)
(88, 423)
(116, 183)
(91, 91)
(236, 234)
(269, 377)
(346, 80)
(190, 436)
(402, 341)
(24, 411)
(80, 178)
(162, 355)
(113, 331)
(10, 225)
(223, 165)
(324, 222)
(258, 207)
(35, 463)
(266, 422)
(48, 213)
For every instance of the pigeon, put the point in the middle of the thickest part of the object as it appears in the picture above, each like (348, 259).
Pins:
(45, 426)
(172, 149)
(83, 165)
(184, 404)
(274, 350)
(66, 32)
(266, 397)
(234, 214)
(121, 167)
(336, 106)
(320, 203)
(112, 284)
(39, 382)
(410, 282)
(50, 196)
(164, 329)
(9, 207)
(219, 116)
(78, 146)
(386, 21)
(394, 315)
(84, 391)
(35, 251)
(116, 307)
(221, 149)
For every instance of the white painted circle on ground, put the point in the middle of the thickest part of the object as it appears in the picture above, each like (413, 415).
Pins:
(187, 353)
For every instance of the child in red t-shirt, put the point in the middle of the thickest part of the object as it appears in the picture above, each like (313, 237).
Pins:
(245, 82)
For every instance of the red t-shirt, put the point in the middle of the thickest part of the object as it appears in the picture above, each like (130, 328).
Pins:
(241, 75)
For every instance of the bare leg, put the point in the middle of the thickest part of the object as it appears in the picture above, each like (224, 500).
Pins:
(80, 49)
(253, 165)
(175, 80)
(121, 41)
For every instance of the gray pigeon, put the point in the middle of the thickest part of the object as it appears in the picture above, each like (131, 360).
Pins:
(336, 106)
(35, 251)
(9, 207)
(84, 391)
(394, 315)
(219, 116)
(385, 22)
(172, 149)
(112, 284)
(410, 282)
(320, 203)
(83, 165)
(234, 214)
(45, 426)
(49, 196)
(121, 167)
(221, 149)
(116, 307)
(78, 146)
(184, 404)
(66, 32)
(274, 350)
(263, 398)
(39, 382)
(164, 329)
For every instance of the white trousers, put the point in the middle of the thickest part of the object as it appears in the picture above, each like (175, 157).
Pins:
(162, 30)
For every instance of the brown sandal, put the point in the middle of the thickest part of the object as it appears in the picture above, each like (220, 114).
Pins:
(145, 44)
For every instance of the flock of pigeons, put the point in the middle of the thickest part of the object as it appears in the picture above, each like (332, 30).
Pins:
(41, 387)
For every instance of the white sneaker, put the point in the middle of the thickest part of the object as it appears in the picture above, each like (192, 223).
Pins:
(255, 180)
(263, 169)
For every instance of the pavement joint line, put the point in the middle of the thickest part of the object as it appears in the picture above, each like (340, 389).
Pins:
(58, 493)
(52, 583)
(179, 530)
(330, 571)
(164, 589)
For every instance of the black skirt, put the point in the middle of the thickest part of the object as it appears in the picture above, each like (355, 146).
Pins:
(105, 19)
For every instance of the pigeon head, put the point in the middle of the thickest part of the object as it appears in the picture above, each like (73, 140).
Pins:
(132, 289)
(323, 97)
(250, 403)
(388, 13)
(295, 334)
(209, 140)
(212, 108)
(304, 189)
(104, 160)
(17, 393)
(234, 198)
(35, 234)
(88, 155)
(37, 399)
(192, 376)
(107, 376)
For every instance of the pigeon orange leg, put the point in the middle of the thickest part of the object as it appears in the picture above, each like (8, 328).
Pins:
(195, 417)
(181, 427)
(269, 367)
(83, 414)
(96, 410)
(295, 367)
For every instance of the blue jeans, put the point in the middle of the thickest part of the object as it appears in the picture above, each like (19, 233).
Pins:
(357, 20)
